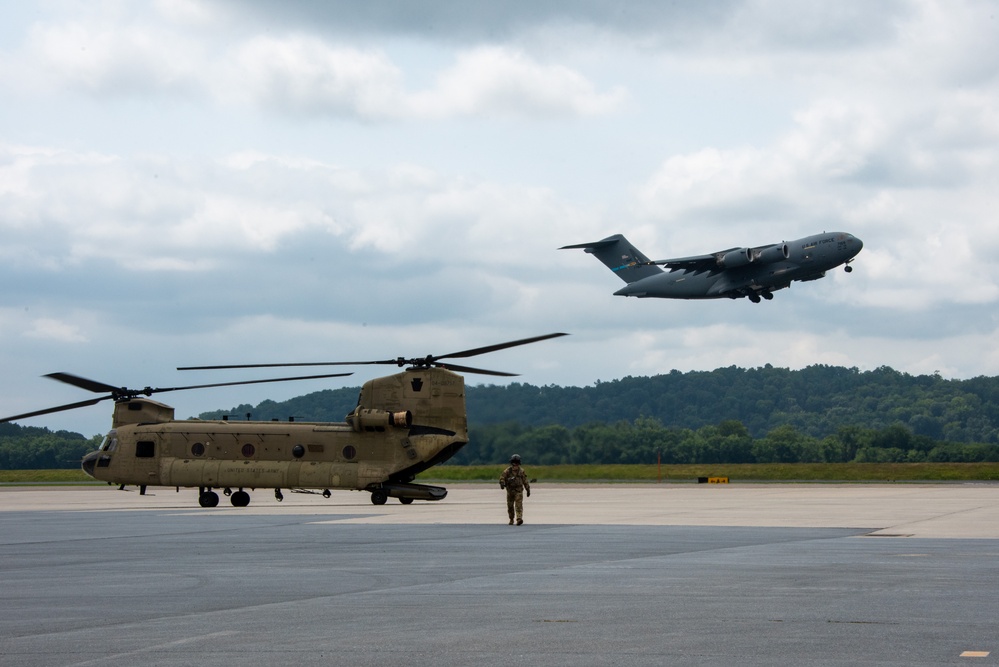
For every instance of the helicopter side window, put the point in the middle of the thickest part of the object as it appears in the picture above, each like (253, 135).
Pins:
(145, 449)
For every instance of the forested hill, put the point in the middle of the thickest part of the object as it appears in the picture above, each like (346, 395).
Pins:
(820, 413)
(816, 401)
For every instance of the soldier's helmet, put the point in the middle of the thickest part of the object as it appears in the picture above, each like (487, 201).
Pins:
(515, 458)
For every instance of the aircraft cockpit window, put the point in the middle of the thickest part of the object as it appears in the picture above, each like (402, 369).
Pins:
(110, 442)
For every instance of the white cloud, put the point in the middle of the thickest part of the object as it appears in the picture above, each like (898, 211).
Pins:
(490, 81)
(55, 330)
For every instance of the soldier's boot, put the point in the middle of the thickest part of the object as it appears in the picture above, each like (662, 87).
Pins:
(520, 522)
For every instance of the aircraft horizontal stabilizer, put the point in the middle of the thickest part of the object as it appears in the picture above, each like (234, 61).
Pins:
(594, 245)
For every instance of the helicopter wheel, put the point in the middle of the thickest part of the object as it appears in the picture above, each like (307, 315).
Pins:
(406, 501)
(378, 497)
(848, 268)
(240, 499)
(208, 499)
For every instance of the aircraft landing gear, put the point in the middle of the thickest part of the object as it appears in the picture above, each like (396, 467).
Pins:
(378, 497)
(755, 298)
(240, 499)
(848, 268)
(406, 501)
(767, 295)
(208, 498)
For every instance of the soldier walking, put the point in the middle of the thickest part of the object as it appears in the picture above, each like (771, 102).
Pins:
(514, 480)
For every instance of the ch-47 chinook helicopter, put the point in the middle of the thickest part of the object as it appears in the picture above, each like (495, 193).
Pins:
(403, 424)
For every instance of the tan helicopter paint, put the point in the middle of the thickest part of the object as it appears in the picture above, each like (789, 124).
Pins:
(403, 424)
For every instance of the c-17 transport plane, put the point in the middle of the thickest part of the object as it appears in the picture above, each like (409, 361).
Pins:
(737, 272)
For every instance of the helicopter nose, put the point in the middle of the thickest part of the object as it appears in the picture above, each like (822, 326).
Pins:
(90, 462)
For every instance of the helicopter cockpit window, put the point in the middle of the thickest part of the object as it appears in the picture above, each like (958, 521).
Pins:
(110, 442)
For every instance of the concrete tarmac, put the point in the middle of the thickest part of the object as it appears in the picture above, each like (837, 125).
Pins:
(678, 574)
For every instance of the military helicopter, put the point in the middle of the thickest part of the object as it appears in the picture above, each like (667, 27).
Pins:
(403, 424)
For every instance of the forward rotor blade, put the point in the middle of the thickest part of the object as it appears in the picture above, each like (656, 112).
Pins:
(71, 406)
(464, 354)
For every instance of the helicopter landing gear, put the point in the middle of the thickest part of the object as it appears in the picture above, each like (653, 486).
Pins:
(378, 497)
(208, 498)
(848, 268)
(326, 493)
(240, 499)
(406, 501)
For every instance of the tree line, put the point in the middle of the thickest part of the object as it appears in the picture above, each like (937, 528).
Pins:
(765, 414)
(647, 440)
(34, 448)
(815, 401)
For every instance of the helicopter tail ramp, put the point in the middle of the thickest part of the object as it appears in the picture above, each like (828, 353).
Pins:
(621, 257)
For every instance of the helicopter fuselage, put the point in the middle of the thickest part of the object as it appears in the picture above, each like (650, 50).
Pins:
(402, 425)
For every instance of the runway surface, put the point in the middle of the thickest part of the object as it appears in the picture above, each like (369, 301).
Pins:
(599, 575)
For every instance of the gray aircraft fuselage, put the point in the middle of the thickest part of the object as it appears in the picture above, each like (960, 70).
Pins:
(737, 272)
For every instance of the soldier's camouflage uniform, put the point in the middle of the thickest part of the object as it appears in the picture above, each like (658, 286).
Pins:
(514, 480)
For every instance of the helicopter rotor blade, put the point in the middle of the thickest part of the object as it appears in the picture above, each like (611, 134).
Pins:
(233, 384)
(478, 371)
(60, 408)
(291, 365)
(83, 383)
(464, 354)
(123, 393)
(424, 362)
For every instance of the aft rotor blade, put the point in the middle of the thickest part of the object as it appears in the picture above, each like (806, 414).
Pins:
(429, 360)
(291, 365)
(71, 406)
(499, 346)
(82, 383)
(233, 384)
(480, 371)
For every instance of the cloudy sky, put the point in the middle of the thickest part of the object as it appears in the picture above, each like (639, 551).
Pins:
(187, 182)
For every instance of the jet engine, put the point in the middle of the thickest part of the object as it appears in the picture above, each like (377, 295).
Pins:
(774, 253)
(737, 257)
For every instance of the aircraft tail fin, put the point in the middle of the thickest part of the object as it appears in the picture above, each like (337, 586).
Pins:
(618, 255)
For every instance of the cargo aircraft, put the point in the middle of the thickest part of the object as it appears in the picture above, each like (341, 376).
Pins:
(755, 273)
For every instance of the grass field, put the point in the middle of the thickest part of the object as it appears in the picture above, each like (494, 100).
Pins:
(736, 472)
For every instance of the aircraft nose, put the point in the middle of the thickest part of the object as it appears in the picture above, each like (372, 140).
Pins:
(90, 462)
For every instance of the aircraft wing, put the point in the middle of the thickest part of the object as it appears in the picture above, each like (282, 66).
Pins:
(695, 262)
